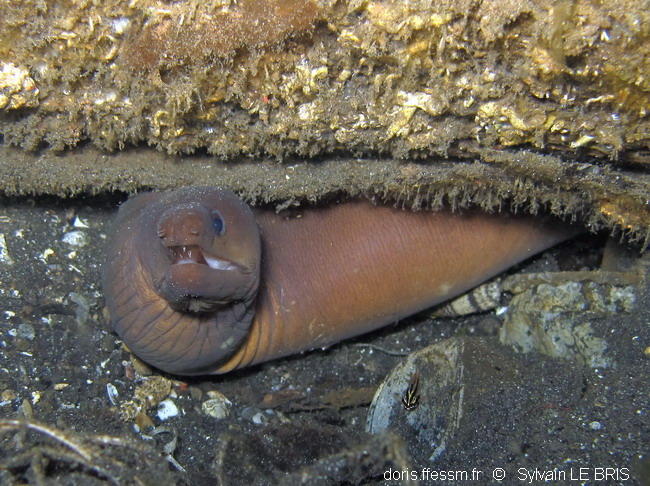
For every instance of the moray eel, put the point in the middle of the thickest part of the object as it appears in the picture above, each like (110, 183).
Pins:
(198, 283)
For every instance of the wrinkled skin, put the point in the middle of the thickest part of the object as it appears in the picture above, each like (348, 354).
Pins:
(181, 277)
(197, 283)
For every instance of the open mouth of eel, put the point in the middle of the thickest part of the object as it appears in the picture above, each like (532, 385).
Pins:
(186, 254)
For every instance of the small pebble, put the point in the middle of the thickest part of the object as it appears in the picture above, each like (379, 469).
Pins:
(143, 421)
(79, 223)
(595, 425)
(255, 415)
(259, 419)
(167, 409)
(47, 253)
(75, 238)
(26, 331)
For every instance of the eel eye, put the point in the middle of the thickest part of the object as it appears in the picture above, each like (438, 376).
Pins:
(218, 223)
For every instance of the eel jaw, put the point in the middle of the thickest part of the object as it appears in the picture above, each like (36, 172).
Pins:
(193, 282)
(185, 254)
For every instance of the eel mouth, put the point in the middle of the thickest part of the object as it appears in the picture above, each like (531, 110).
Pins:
(186, 254)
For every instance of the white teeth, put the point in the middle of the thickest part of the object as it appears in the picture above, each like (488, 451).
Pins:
(212, 263)
(218, 264)
(193, 254)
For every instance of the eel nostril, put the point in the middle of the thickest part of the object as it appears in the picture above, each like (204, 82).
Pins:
(195, 232)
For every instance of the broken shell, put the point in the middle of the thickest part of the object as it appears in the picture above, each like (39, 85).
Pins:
(217, 406)
(435, 418)
(112, 393)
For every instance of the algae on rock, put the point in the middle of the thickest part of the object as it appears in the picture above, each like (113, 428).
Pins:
(287, 77)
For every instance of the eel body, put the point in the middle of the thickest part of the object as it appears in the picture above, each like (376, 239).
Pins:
(198, 283)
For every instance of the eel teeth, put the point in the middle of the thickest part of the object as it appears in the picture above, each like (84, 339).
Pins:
(218, 264)
(193, 254)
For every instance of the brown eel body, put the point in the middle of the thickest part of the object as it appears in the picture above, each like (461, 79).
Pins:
(198, 283)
